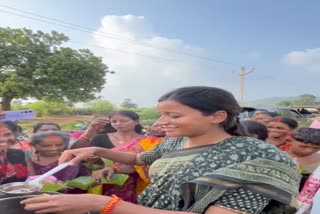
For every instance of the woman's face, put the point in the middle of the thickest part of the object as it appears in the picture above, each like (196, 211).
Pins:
(262, 118)
(180, 120)
(123, 123)
(7, 137)
(278, 129)
(50, 146)
(48, 128)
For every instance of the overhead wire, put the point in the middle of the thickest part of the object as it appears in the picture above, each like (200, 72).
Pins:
(108, 35)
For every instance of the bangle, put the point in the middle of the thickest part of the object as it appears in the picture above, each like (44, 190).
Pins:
(116, 169)
(111, 205)
(85, 138)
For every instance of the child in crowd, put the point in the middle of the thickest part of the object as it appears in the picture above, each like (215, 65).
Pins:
(48, 147)
(256, 129)
(304, 148)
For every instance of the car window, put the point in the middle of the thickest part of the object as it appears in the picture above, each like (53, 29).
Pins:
(289, 113)
(294, 114)
(246, 114)
(284, 112)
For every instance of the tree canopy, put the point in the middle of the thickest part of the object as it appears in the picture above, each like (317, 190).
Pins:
(128, 103)
(35, 64)
(306, 99)
(303, 100)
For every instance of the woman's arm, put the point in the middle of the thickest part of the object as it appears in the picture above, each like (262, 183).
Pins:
(129, 208)
(121, 157)
(75, 156)
(87, 202)
(89, 133)
(82, 142)
(126, 169)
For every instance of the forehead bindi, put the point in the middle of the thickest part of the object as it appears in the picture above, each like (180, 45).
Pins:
(276, 124)
(52, 139)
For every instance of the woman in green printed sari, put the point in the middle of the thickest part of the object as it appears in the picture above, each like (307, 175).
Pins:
(207, 164)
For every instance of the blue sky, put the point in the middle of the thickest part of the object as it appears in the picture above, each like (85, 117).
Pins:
(280, 39)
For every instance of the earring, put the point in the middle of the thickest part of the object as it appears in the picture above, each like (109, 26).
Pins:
(38, 156)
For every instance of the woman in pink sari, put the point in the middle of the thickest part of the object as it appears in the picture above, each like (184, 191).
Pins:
(138, 175)
(128, 129)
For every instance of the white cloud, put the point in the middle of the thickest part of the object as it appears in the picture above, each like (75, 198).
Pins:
(144, 79)
(308, 59)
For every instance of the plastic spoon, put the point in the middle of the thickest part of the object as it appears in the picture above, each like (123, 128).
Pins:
(51, 172)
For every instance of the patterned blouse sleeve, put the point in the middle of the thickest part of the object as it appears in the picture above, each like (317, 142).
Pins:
(152, 155)
(242, 201)
(168, 145)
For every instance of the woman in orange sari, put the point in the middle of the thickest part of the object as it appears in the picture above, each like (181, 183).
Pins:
(138, 175)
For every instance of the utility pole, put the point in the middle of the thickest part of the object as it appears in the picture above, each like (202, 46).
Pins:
(243, 73)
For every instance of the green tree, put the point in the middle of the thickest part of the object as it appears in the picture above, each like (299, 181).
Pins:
(34, 64)
(147, 113)
(284, 103)
(100, 107)
(43, 108)
(306, 99)
(128, 103)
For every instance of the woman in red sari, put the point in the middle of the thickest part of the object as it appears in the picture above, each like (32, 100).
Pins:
(14, 166)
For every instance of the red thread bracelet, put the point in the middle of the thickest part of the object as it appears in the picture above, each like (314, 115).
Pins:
(111, 205)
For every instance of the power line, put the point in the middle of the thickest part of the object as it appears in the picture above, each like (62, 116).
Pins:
(96, 46)
(122, 51)
(108, 35)
(79, 42)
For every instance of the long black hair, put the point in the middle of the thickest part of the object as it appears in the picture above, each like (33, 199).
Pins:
(6, 126)
(256, 128)
(209, 100)
(307, 136)
(292, 123)
(132, 115)
(38, 137)
(14, 127)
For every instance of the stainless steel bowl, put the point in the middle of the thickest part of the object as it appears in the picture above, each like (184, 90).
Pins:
(20, 188)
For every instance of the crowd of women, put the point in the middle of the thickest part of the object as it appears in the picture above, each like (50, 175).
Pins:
(198, 157)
